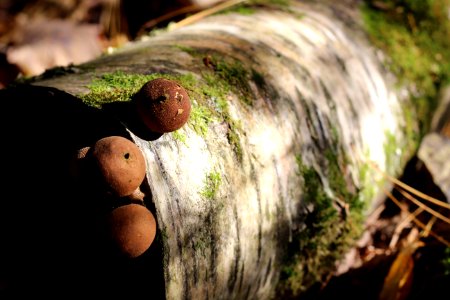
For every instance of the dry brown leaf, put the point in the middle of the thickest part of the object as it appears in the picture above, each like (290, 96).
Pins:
(43, 44)
(397, 283)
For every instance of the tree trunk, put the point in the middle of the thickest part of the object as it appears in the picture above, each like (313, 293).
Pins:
(258, 195)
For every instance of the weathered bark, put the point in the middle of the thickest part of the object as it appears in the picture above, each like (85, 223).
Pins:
(313, 102)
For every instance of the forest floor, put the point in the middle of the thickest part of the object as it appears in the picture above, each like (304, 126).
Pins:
(397, 258)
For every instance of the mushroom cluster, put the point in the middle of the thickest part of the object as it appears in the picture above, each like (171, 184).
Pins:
(114, 168)
(163, 105)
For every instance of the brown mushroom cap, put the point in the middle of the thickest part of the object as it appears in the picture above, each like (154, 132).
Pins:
(163, 105)
(132, 229)
(120, 163)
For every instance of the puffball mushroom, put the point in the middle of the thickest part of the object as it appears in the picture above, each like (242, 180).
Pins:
(120, 164)
(132, 229)
(163, 105)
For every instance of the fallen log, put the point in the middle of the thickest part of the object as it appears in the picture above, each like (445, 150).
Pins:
(258, 195)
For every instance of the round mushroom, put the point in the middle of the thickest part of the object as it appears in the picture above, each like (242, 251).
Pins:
(120, 164)
(163, 105)
(132, 229)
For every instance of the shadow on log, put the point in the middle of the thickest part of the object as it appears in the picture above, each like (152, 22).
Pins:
(50, 243)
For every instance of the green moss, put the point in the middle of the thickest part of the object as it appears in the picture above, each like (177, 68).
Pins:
(411, 130)
(390, 149)
(217, 91)
(228, 76)
(161, 239)
(242, 9)
(202, 242)
(281, 3)
(212, 184)
(186, 49)
(200, 118)
(332, 225)
(338, 183)
(366, 179)
(233, 77)
(252, 4)
(397, 152)
(415, 36)
(234, 126)
(179, 136)
(250, 7)
(209, 94)
(120, 86)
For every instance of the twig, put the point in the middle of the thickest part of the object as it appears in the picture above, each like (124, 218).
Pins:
(170, 15)
(204, 13)
(410, 217)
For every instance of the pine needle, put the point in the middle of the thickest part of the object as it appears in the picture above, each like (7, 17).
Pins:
(411, 189)
(417, 222)
(423, 206)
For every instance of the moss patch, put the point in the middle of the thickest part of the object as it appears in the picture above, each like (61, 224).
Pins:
(225, 76)
(209, 96)
(179, 136)
(161, 239)
(232, 76)
(200, 118)
(212, 184)
(119, 86)
(390, 152)
(415, 35)
(186, 49)
(331, 228)
(367, 183)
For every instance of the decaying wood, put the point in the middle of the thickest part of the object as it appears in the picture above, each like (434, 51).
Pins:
(321, 89)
